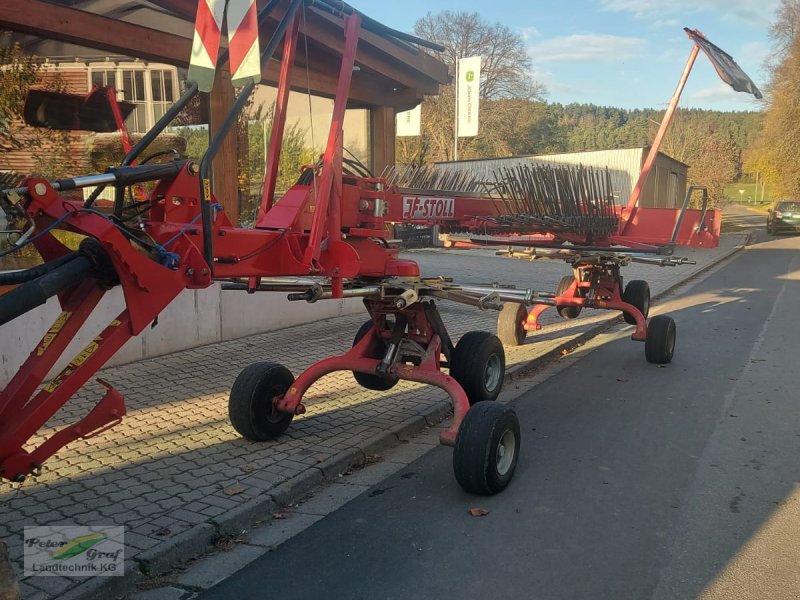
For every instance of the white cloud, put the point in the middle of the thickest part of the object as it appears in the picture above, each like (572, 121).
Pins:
(721, 93)
(585, 48)
(555, 86)
(749, 11)
(529, 32)
(755, 52)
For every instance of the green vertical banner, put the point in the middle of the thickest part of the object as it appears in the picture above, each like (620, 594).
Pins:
(469, 87)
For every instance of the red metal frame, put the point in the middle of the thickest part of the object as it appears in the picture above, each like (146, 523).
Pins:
(421, 331)
(301, 235)
(111, 94)
(594, 286)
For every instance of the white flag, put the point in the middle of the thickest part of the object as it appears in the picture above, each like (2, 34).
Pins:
(469, 85)
(409, 122)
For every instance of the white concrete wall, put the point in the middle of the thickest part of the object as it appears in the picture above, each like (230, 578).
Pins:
(194, 318)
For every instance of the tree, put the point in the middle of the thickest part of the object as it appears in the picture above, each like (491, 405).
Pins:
(505, 65)
(786, 25)
(775, 153)
(713, 157)
(507, 90)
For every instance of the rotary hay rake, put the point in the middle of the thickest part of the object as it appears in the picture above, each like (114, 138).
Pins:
(324, 239)
(569, 213)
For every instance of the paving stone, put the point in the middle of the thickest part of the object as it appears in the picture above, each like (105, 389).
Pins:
(31, 593)
(139, 541)
(52, 586)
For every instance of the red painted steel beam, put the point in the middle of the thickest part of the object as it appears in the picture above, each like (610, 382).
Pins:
(279, 119)
(630, 209)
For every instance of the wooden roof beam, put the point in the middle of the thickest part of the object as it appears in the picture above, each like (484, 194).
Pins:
(58, 22)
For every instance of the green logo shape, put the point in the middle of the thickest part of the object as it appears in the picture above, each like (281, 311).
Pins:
(78, 546)
(470, 75)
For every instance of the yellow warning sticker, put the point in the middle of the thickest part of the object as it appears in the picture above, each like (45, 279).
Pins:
(52, 332)
(86, 353)
(51, 387)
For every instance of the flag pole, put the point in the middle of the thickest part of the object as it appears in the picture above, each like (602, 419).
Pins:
(455, 123)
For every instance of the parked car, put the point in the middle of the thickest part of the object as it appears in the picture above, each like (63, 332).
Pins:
(784, 216)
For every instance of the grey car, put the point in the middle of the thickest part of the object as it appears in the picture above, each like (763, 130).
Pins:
(784, 217)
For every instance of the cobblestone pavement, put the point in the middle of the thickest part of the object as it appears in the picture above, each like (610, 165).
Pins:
(177, 475)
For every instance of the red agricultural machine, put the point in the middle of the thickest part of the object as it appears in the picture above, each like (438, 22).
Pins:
(569, 213)
(325, 238)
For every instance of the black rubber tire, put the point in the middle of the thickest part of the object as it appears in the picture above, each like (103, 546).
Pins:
(509, 324)
(567, 312)
(637, 293)
(250, 408)
(376, 350)
(479, 365)
(659, 345)
(487, 448)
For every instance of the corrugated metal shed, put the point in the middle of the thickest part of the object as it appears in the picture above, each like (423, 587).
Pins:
(665, 187)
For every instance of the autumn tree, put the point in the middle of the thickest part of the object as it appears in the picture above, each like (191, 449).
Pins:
(712, 154)
(506, 90)
(786, 25)
(779, 145)
(775, 153)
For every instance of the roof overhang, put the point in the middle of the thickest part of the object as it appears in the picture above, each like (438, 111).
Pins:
(390, 73)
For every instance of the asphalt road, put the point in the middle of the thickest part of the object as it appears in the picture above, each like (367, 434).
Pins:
(635, 481)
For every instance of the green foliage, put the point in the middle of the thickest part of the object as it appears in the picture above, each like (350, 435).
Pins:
(106, 150)
(765, 193)
(294, 155)
(18, 72)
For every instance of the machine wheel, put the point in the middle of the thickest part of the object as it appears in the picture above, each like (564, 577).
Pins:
(479, 365)
(376, 350)
(659, 346)
(567, 312)
(487, 448)
(510, 322)
(637, 293)
(250, 407)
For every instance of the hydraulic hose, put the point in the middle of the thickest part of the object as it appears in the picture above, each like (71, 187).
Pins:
(18, 277)
(91, 260)
(35, 293)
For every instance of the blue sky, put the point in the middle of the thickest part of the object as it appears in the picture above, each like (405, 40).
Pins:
(626, 53)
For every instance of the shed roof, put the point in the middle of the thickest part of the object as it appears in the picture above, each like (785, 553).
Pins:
(391, 73)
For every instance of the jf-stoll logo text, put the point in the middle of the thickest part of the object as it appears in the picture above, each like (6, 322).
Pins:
(71, 550)
(423, 207)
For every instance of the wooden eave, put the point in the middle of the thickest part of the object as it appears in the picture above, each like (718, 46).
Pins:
(390, 74)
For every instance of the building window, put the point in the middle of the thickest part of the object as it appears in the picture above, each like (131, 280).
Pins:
(152, 88)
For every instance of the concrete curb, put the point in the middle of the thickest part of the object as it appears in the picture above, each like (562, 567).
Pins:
(202, 537)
